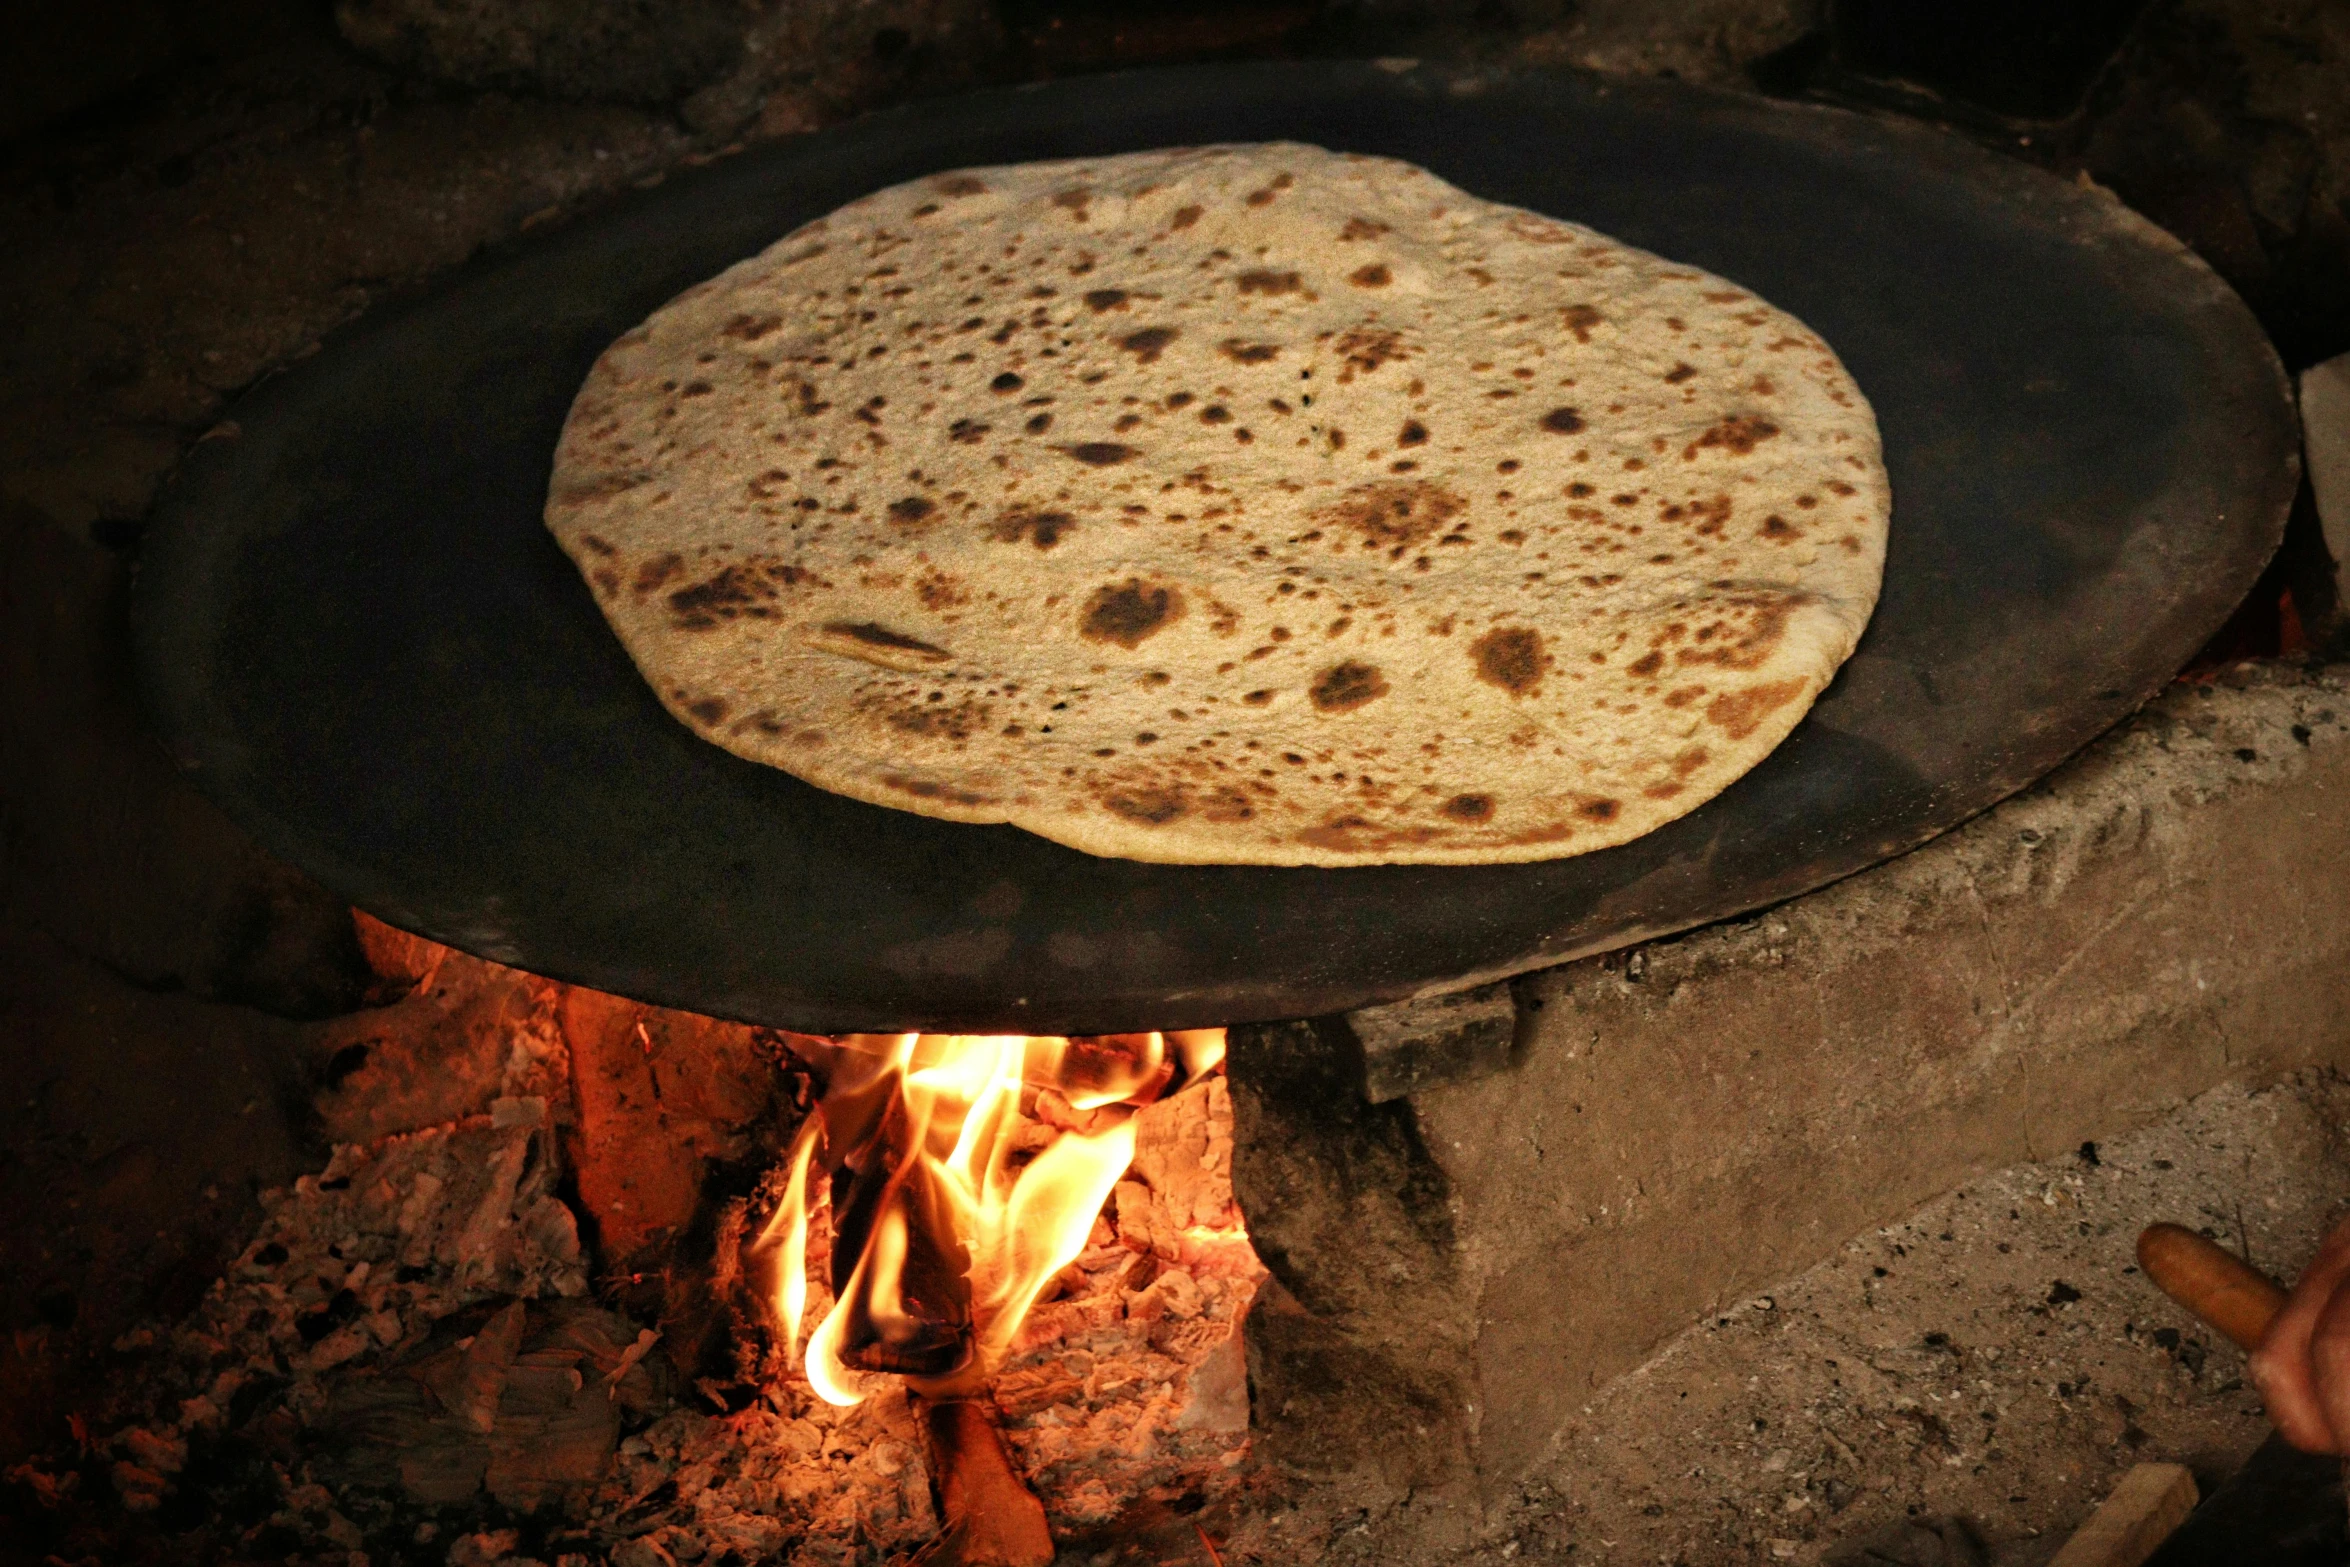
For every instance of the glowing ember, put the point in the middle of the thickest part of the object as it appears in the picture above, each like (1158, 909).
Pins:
(961, 1173)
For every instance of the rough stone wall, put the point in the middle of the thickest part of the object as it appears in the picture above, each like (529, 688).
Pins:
(1683, 1122)
(719, 61)
(629, 51)
(1358, 1354)
(102, 843)
(1710, 41)
(2226, 121)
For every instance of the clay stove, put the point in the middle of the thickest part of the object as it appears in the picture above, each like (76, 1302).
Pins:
(545, 811)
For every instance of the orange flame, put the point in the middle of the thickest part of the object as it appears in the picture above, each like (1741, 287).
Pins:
(965, 1217)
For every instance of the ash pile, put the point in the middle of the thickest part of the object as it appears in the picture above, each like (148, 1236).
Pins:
(481, 1340)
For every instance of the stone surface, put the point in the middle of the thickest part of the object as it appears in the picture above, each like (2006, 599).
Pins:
(1697, 1116)
(822, 59)
(1358, 1349)
(1992, 1356)
(2225, 122)
(721, 61)
(1711, 41)
(1913, 1542)
(61, 58)
(117, 1204)
(1417, 1044)
(2325, 448)
(2222, 120)
(229, 217)
(630, 51)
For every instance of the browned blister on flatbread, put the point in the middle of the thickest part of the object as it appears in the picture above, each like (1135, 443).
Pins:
(1249, 505)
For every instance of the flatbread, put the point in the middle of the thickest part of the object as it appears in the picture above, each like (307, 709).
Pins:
(1238, 505)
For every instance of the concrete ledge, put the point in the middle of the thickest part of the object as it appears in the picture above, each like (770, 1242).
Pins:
(1681, 1123)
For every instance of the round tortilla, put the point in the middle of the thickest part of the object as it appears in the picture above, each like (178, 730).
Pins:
(1231, 505)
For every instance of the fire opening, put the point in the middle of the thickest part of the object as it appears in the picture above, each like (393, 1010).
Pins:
(541, 1284)
(942, 1186)
(958, 1174)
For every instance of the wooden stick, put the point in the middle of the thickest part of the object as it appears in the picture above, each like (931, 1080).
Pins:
(2236, 1299)
(2143, 1511)
(992, 1520)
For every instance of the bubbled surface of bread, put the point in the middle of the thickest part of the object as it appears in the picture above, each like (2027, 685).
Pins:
(1245, 505)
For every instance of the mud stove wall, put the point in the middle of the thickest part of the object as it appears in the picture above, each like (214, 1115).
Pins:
(1478, 1209)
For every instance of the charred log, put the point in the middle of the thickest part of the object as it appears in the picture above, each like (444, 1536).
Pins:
(992, 1519)
(925, 1330)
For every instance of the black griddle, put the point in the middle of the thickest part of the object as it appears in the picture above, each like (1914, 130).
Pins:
(357, 636)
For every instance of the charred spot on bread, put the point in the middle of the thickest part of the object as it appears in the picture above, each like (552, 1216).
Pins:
(1345, 686)
(1130, 613)
(1510, 658)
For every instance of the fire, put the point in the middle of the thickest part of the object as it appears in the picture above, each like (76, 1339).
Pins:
(961, 1172)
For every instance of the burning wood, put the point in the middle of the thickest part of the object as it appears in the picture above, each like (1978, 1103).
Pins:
(992, 1520)
(408, 1331)
(1138, 1067)
(963, 1173)
(896, 1259)
(949, 1213)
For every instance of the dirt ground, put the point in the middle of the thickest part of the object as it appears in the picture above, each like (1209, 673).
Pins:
(1995, 1357)
(1980, 1372)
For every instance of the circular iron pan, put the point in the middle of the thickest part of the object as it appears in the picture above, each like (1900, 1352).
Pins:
(355, 633)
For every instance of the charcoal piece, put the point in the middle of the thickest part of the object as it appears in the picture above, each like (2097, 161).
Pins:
(993, 1520)
(528, 1406)
(662, 1098)
(555, 1430)
(928, 1333)
(1182, 1152)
